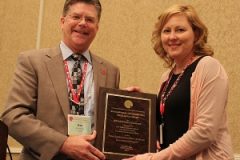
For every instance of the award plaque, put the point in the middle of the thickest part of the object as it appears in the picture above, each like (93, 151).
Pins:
(126, 123)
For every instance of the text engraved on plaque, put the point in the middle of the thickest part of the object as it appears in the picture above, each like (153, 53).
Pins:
(125, 125)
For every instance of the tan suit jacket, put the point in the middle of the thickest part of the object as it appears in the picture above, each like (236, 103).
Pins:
(37, 106)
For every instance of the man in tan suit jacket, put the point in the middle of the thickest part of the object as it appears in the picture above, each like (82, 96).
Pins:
(38, 103)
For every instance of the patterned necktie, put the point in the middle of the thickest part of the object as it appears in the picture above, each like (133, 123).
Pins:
(76, 80)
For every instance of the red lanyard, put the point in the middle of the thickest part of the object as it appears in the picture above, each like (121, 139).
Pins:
(162, 108)
(75, 95)
(165, 95)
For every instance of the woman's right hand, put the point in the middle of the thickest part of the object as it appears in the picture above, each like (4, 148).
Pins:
(133, 89)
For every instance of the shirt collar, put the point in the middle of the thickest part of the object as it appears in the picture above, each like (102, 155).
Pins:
(67, 52)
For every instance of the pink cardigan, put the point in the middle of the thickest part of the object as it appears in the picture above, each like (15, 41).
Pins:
(207, 137)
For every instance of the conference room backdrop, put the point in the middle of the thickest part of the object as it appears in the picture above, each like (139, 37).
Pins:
(124, 38)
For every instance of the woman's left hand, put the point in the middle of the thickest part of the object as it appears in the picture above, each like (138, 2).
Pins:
(132, 158)
(146, 156)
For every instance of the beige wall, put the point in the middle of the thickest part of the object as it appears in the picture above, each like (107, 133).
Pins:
(124, 39)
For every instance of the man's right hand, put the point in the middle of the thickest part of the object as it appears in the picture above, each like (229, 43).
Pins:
(80, 148)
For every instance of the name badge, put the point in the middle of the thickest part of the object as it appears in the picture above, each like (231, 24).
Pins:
(79, 125)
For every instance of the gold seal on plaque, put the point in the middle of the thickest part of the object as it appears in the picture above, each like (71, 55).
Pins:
(128, 104)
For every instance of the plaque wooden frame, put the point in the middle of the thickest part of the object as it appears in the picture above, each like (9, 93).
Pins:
(126, 123)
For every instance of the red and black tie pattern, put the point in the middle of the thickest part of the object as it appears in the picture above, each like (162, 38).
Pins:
(76, 80)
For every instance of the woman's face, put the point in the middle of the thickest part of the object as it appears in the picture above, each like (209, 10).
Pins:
(177, 37)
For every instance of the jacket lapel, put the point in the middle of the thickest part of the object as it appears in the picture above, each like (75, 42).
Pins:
(55, 68)
(58, 77)
(99, 76)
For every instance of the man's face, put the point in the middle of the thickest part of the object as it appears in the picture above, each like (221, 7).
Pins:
(79, 26)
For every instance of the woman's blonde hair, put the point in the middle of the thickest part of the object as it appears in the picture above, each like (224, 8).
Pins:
(200, 30)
